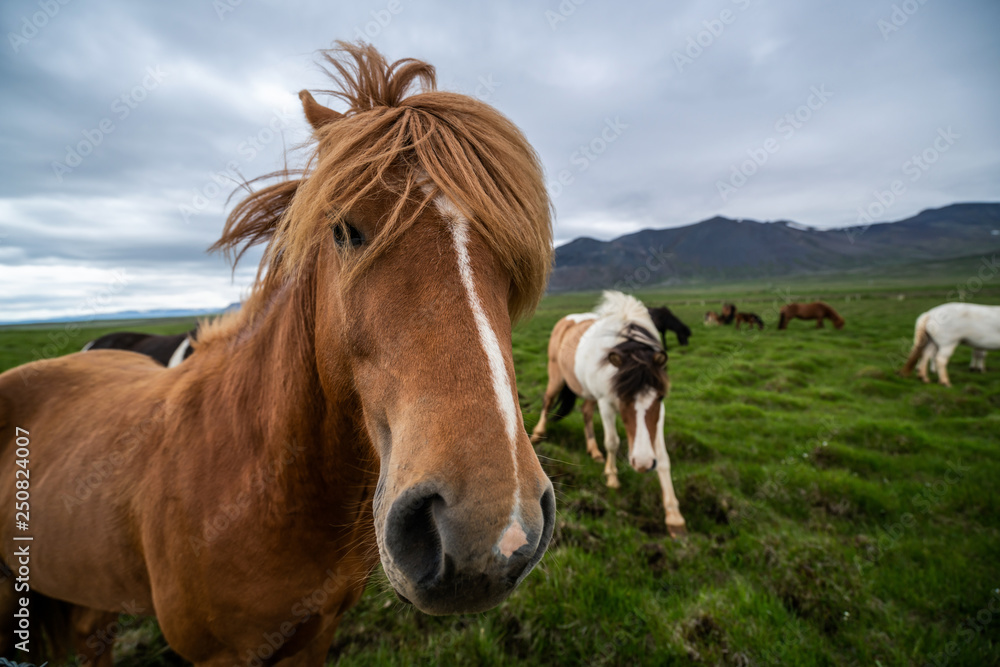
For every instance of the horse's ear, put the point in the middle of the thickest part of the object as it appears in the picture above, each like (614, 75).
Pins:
(317, 114)
(615, 359)
(660, 359)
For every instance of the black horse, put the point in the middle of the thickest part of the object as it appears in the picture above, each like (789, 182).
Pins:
(168, 350)
(666, 321)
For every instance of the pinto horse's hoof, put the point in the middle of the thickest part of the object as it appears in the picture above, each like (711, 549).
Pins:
(678, 531)
(613, 483)
(597, 456)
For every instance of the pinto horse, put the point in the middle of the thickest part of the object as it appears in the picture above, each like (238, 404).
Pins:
(169, 350)
(711, 319)
(324, 434)
(664, 320)
(942, 329)
(751, 319)
(613, 360)
(817, 310)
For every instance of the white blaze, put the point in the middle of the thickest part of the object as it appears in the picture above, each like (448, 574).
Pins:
(502, 386)
(642, 448)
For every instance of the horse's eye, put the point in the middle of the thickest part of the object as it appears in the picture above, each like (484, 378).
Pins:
(346, 233)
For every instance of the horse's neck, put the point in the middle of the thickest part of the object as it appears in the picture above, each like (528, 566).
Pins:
(300, 437)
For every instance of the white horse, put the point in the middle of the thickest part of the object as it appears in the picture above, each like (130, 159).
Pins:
(612, 357)
(940, 330)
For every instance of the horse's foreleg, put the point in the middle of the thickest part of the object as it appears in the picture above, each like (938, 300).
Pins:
(671, 506)
(819, 322)
(609, 417)
(941, 359)
(588, 428)
(555, 385)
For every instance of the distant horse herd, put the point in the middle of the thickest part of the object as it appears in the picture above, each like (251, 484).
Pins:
(340, 443)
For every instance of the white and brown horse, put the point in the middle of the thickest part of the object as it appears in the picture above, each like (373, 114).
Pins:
(360, 407)
(612, 358)
(940, 330)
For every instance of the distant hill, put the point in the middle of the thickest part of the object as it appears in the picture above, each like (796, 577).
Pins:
(161, 313)
(721, 248)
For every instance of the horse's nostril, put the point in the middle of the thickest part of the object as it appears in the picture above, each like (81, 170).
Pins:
(412, 535)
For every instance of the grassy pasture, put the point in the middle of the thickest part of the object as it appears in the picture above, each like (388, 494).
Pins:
(837, 513)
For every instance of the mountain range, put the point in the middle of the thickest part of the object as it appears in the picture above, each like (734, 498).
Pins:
(721, 249)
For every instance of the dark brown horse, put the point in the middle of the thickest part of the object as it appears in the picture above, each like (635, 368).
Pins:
(817, 310)
(728, 314)
(360, 407)
(751, 319)
(169, 350)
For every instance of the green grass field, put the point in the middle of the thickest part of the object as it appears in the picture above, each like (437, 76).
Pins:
(837, 513)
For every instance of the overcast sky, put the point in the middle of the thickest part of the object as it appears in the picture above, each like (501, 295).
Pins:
(121, 119)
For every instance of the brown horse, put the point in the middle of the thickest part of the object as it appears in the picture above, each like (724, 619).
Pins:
(817, 310)
(245, 496)
(751, 319)
(728, 314)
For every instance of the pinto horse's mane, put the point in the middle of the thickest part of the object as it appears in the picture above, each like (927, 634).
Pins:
(637, 347)
(415, 146)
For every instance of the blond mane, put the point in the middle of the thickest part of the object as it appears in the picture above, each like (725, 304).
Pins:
(415, 145)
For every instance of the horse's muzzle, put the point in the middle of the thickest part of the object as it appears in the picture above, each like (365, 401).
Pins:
(446, 560)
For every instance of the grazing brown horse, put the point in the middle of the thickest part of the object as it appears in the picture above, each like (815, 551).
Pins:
(817, 310)
(728, 314)
(360, 407)
(751, 319)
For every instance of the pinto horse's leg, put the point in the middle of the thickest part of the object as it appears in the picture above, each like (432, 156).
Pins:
(941, 359)
(555, 385)
(588, 428)
(609, 418)
(675, 522)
